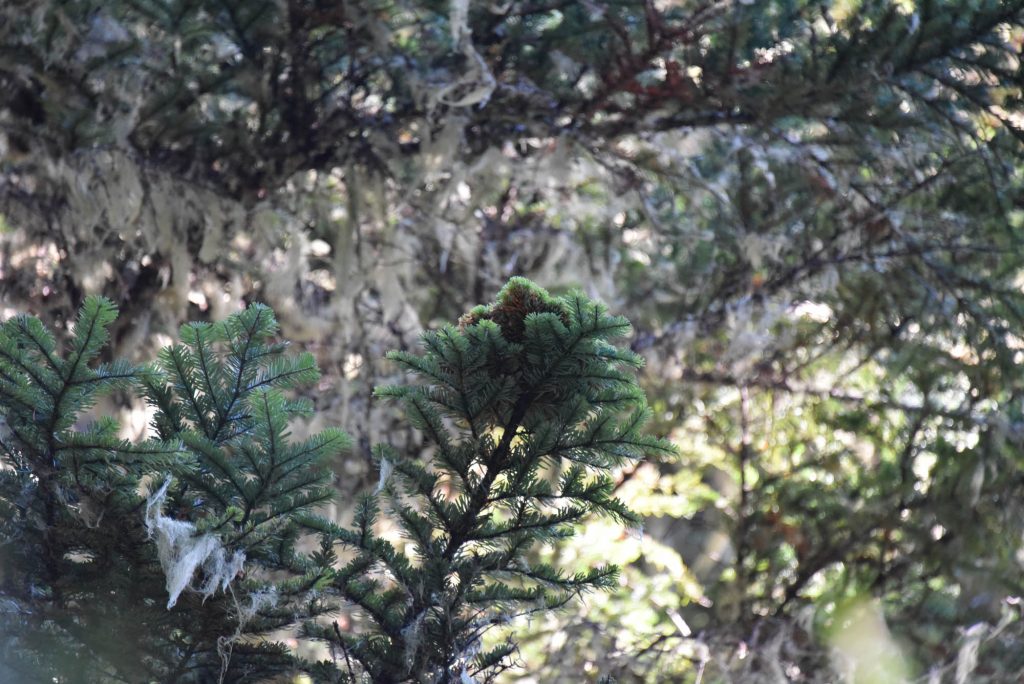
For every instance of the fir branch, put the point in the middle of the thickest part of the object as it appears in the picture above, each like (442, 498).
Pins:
(527, 381)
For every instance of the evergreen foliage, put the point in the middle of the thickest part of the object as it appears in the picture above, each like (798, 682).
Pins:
(528, 405)
(170, 560)
(70, 527)
(811, 211)
(89, 562)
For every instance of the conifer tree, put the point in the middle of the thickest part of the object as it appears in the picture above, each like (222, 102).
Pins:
(102, 583)
(528, 406)
(172, 559)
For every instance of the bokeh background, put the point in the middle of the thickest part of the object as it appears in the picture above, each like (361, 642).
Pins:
(810, 210)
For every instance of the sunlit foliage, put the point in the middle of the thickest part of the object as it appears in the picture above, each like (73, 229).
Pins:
(811, 212)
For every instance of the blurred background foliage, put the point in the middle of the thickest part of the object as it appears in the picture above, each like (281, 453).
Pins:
(810, 210)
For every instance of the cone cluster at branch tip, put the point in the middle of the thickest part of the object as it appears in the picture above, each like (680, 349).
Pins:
(518, 299)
